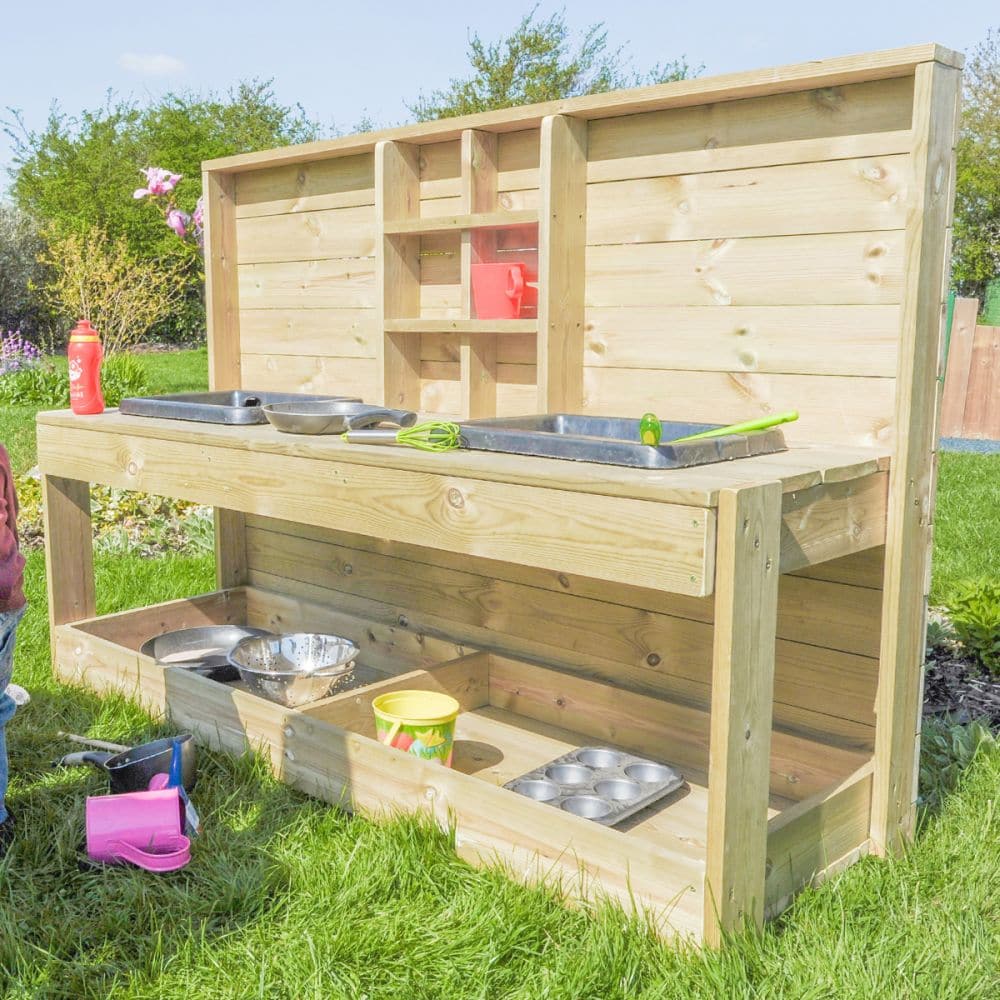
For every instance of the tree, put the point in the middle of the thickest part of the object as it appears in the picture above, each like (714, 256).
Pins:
(976, 257)
(539, 62)
(78, 174)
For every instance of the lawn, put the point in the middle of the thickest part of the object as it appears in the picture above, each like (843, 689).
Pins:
(287, 897)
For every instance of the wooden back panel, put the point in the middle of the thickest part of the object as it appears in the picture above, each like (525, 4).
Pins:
(746, 247)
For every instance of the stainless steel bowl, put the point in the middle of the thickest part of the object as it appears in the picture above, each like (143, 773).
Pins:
(331, 416)
(295, 668)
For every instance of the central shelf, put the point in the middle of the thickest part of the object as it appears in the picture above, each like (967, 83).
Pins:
(423, 325)
(457, 223)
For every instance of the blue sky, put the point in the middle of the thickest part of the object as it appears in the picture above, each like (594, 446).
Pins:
(343, 61)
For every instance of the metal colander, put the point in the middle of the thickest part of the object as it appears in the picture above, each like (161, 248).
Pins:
(295, 668)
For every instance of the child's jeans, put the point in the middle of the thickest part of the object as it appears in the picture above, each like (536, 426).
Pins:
(8, 629)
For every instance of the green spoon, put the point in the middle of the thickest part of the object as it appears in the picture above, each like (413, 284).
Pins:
(762, 423)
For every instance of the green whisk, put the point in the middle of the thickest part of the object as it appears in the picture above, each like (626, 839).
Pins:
(432, 435)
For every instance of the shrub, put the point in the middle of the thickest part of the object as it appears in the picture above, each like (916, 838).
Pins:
(946, 750)
(22, 275)
(16, 353)
(975, 616)
(98, 279)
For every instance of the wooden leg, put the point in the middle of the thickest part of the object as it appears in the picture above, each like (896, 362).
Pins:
(69, 550)
(230, 548)
(746, 601)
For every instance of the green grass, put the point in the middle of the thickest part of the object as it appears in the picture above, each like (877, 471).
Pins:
(966, 522)
(175, 371)
(287, 897)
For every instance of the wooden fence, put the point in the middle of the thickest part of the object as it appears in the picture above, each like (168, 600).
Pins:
(971, 404)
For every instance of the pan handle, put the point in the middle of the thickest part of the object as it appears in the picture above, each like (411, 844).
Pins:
(96, 757)
(404, 418)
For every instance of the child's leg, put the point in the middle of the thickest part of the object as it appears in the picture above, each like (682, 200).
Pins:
(8, 629)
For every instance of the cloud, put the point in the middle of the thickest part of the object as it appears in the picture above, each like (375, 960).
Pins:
(150, 64)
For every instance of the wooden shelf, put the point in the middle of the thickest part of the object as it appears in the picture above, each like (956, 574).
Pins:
(461, 326)
(457, 223)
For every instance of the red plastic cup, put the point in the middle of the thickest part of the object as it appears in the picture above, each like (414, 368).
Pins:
(498, 290)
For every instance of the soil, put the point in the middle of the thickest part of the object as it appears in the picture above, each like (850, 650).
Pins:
(955, 685)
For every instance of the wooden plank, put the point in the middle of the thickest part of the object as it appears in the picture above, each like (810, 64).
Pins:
(345, 182)
(440, 169)
(561, 230)
(466, 680)
(230, 548)
(809, 340)
(69, 550)
(908, 532)
(397, 272)
(820, 693)
(318, 375)
(698, 486)
(815, 74)
(842, 196)
(823, 114)
(334, 232)
(833, 520)
(746, 600)
(856, 269)
(956, 383)
(456, 223)
(627, 540)
(862, 569)
(806, 839)
(762, 150)
(222, 291)
(832, 409)
(315, 284)
(477, 351)
(982, 401)
(508, 327)
(336, 333)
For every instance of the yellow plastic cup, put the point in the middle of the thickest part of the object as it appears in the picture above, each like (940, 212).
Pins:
(421, 723)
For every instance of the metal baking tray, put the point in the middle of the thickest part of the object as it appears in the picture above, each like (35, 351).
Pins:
(612, 441)
(599, 783)
(229, 406)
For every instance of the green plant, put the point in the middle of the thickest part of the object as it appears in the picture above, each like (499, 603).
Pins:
(939, 637)
(122, 375)
(42, 385)
(21, 275)
(96, 278)
(975, 614)
(946, 749)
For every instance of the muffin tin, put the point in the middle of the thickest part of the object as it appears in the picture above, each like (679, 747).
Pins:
(599, 783)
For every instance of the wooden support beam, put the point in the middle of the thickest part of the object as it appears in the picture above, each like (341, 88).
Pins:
(958, 366)
(397, 272)
(478, 351)
(746, 601)
(561, 248)
(222, 297)
(69, 551)
(908, 531)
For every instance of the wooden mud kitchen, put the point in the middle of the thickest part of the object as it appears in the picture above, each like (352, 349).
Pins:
(712, 250)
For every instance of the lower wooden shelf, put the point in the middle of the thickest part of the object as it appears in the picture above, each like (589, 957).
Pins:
(515, 716)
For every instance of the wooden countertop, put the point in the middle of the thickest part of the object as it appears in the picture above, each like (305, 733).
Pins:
(797, 469)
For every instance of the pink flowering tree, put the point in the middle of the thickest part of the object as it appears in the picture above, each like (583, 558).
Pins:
(160, 191)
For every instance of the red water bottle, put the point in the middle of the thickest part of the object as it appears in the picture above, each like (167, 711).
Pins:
(85, 355)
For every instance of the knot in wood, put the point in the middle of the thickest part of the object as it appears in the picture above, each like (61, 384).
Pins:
(348, 569)
(455, 498)
(132, 468)
(563, 580)
(653, 659)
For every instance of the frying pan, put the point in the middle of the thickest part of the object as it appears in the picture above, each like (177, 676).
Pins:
(132, 770)
(202, 650)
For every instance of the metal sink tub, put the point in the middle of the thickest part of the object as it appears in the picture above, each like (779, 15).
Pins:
(229, 406)
(612, 441)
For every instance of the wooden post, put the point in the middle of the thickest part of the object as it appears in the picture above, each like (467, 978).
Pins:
(222, 309)
(746, 601)
(397, 272)
(937, 89)
(478, 351)
(69, 551)
(561, 247)
(956, 376)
